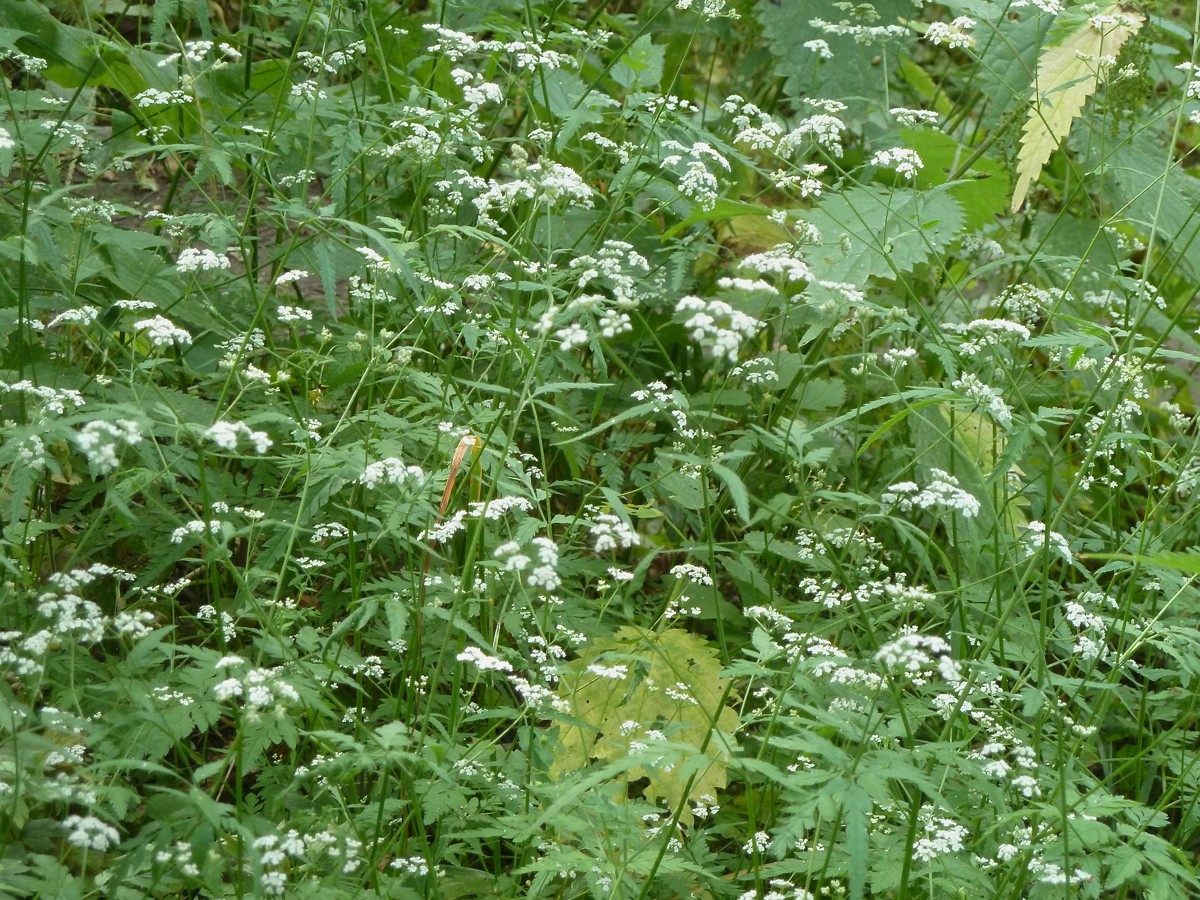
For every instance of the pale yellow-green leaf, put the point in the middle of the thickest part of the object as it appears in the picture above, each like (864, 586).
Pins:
(672, 684)
(1067, 74)
(982, 441)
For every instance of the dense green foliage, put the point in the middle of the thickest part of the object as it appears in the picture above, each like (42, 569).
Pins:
(576, 451)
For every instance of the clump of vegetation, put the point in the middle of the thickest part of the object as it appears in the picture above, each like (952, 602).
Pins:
(715, 450)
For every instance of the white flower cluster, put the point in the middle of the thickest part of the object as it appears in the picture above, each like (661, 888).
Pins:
(756, 371)
(477, 92)
(1024, 760)
(755, 128)
(133, 623)
(161, 332)
(292, 275)
(334, 62)
(548, 181)
(906, 162)
(307, 91)
(90, 833)
(777, 888)
(955, 35)
(717, 325)
(710, 9)
(1191, 90)
(329, 531)
(194, 527)
(257, 688)
(1037, 537)
(832, 594)
(910, 117)
(100, 441)
(69, 615)
(780, 260)
(693, 573)
(53, 400)
(544, 574)
(609, 533)
(807, 182)
(84, 315)
(182, 856)
(985, 397)
(391, 471)
(696, 182)
(528, 54)
(289, 315)
(940, 837)
(410, 865)
(196, 51)
(863, 34)
(823, 128)
(193, 260)
(155, 97)
(984, 333)
(1050, 7)
(819, 47)
(276, 853)
(226, 434)
(493, 510)
(616, 673)
(916, 654)
(482, 661)
(942, 491)
(1026, 303)
(616, 266)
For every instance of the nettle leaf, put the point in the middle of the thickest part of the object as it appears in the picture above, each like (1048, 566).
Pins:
(856, 66)
(641, 681)
(982, 190)
(873, 231)
(1067, 74)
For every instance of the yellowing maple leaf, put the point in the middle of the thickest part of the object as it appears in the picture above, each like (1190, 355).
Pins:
(627, 691)
(1067, 74)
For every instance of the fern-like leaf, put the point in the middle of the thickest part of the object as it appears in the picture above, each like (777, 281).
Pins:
(1068, 73)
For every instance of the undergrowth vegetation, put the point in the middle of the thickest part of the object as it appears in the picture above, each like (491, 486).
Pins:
(658, 450)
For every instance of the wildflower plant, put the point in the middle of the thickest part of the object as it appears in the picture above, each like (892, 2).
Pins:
(711, 449)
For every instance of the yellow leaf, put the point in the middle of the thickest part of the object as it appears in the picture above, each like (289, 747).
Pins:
(1067, 74)
(642, 684)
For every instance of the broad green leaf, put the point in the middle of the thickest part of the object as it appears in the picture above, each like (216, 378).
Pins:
(982, 190)
(641, 66)
(873, 231)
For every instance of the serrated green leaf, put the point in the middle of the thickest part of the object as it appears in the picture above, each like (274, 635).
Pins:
(876, 232)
